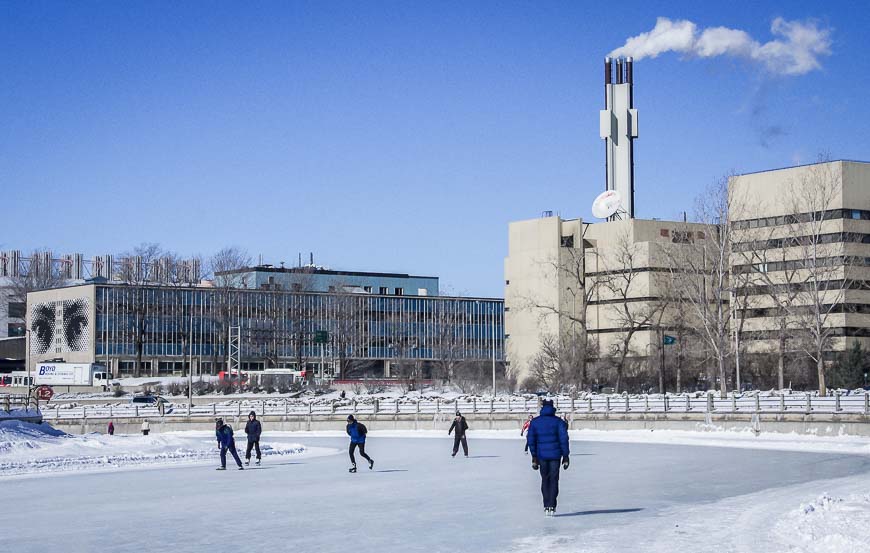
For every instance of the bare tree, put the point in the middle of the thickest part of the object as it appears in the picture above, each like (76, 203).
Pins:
(227, 269)
(349, 330)
(569, 268)
(823, 264)
(138, 268)
(701, 272)
(39, 274)
(755, 258)
(625, 269)
(553, 367)
(448, 349)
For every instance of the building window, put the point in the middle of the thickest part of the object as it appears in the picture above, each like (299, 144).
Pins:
(507, 283)
(664, 233)
(17, 310)
(15, 329)
(399, 291)
(367, 289)
(568, 241)
(384, 290)
(856, 214)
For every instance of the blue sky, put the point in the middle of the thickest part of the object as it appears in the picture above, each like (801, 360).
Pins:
(383, 136)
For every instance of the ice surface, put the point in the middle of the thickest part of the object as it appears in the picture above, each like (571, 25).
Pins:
(615, 497)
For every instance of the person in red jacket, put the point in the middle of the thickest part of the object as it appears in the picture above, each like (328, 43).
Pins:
(525, 428)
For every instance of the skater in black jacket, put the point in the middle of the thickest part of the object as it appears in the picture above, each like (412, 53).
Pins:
(253, 429)
(460, 426)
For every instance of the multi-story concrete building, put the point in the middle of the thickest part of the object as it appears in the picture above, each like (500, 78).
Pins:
(611, 281)
(802, 256)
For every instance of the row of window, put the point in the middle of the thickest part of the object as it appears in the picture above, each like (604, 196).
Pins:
(796, 241)
(797, 264)
(827, 215)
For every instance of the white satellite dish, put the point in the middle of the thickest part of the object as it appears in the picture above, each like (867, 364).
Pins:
(607, 204)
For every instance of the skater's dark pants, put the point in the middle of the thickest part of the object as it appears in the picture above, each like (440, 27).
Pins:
(255, 445)
(460, 440)
(550, 482)
(232, 449)
(362, 451)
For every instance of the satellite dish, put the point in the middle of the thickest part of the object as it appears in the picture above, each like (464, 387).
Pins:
(606, 204)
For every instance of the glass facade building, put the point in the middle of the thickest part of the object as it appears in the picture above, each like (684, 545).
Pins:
(353, 332)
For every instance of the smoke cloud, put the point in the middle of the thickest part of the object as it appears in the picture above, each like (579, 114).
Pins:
(795, 49)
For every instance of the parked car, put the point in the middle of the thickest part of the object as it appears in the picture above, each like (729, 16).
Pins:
(161, 403)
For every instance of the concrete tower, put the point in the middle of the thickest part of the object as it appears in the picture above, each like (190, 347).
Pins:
(618, 128)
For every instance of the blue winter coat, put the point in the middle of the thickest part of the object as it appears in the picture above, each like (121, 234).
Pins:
(548, 436)
(356, 437)
(225, 436)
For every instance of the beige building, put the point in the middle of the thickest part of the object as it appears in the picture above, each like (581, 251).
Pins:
(802, 256)
(567, 277)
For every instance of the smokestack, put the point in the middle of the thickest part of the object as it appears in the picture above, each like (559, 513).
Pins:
(618, 128)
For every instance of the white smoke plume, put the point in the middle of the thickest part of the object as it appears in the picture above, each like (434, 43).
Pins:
(795, 49)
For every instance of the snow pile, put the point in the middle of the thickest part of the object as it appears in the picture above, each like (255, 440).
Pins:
(18, 414)
(27, 448)
(827, 524)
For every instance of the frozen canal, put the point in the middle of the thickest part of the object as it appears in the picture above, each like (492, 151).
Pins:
(614, 497)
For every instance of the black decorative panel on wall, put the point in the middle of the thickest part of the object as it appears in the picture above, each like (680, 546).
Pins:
(59, 326)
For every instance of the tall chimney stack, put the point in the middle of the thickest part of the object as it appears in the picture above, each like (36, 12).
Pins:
(618, 128)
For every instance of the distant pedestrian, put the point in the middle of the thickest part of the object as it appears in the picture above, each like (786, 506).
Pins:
(342, 394)
(224, 434)
(525, 428)
(146, 427)
(548, 443)
(357, 432)
(460, 426)
(111, 428)
(253, 428)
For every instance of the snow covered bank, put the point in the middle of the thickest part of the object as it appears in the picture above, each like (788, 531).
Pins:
(27, 448)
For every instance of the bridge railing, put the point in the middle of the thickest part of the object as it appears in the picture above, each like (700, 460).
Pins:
(853, 404)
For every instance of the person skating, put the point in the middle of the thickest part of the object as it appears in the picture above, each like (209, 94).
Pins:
(357, 432)
(547, 439)
(460, 426)
(146, 427)
(111, 428)
(253, 429)
(224, 434)
(525, 429)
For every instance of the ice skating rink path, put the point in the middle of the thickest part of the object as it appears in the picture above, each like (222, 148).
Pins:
(614, 497)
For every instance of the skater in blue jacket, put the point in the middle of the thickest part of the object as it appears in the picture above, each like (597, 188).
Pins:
(357, 432)
(547, 439)
(224, 434)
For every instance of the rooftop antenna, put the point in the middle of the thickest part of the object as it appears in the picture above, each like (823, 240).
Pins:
(608, 205)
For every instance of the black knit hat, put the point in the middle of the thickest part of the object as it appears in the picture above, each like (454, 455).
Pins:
(350, 418)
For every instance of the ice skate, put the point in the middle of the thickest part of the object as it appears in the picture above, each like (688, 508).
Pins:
(371, 464)
(221, 468)
(352, 469)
